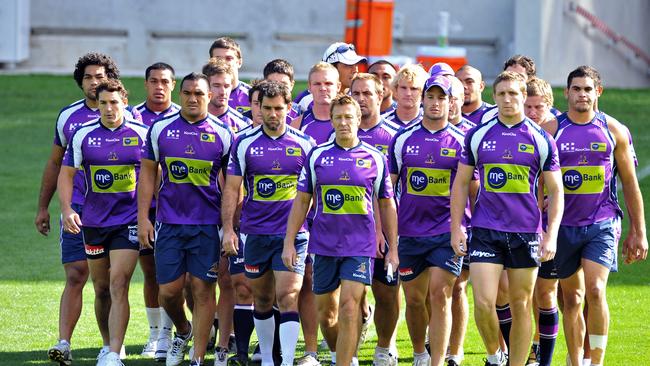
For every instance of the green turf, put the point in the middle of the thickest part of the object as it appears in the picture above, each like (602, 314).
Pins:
(31, 277)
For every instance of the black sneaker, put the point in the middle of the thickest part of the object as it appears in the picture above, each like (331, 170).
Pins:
(238, 360)
(452, 363)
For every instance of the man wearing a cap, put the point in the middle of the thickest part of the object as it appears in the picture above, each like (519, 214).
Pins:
(441, 69)
(424, 158)
(473, 107)
(510, 152)
(343, 56)
(385, 71)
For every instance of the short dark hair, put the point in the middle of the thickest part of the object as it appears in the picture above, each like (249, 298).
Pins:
(194, 76)
(524, 61)
(227, 43)
(158, 66)
(256, 85)
(112, 85)
(278, 66)
(95, 58)
(585, 71)
(272, 89)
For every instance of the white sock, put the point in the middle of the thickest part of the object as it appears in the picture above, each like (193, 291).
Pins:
(586, 362)
(495, 358)
(166, 324)
(265, 329)
(381, 350)
(289, 332)
(456, 358)
(333, 357)
(153, 317)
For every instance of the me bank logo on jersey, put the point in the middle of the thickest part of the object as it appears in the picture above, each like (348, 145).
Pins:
(428, 182)
(506, 178)
(113, 178)
(344, 200)
(583, 179)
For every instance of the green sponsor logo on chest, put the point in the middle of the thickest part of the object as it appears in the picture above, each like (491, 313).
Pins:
(188, 171)
(113, 178)
(506, 178)
(428, 182)
(583, 179)
(344, 200)
(275, 187)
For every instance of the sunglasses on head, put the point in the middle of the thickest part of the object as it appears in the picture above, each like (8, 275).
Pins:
(341, 49)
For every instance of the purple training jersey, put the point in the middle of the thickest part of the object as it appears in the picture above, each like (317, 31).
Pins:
(343, 183)
(191, 156)
(235, 120)
(465, 125)
(239, 97)
(149, 116)
(269, 167)
(304, 100)
(425, 162)
(319, 130)
(476, 116)
(110, 159)
(510, 160)
(393, 118)
(587, 163)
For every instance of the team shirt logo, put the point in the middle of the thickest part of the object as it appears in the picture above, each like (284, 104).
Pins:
(112, 156)
(293, 151)
(344, 200)
(598, 146)
(95, 141)
(363, 163)
(327, 161)
(173, 134)
(506, 178)
(412, 149)
(257, 151)
(130, 141)
(113, 178)
(428, 182)
(275, 187)
(207, 137)
(450, 153)
(526, 148)
(490, 145)
(583, 179)
(382, 148)
(192, 171)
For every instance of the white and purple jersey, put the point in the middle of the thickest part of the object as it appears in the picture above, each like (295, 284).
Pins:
(393, 118)
(319, 130)
(239, 97)
(304, 100)
(588, 170)
(235, 120)
(379, 136)
(425, 162)
(465, 125)
(149, 116)
(191, 156)
(510, 160)
(477, 116)
(269, 167)
(343, 183)
(110, 159)
(389, 110)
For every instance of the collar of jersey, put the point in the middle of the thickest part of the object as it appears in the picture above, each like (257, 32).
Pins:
(516, 125)
(350, 149)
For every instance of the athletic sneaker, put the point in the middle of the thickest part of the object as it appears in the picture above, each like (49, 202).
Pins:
(162, 346)
(307, 360)
(220, 356)
(365, 324)
(106, 350)
(452, 363)
(238, 360)
(422, 360)
(149, 349)
(212, 341)
(257, 354)
(232, 344)
(60, 353)
(177, 350)
(503, 361)
(355, 361)
(196, 363)
(384, 359)
(110, 359)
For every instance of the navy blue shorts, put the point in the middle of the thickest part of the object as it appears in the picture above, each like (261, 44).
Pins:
(264, 252)
(184, 249)
(512, 250)
(416, 254)
(98, 241)
(329, 271)
(595, 242)
(236, 262)
(72, 245)
(379, 274)
(152, 219)
(548, 270)
(466, 258)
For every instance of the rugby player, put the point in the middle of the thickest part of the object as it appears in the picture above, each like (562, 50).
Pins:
(159, 82)
(593, 150)
(510, 152)
(191, 147)
(473, 107)
(268, 159)
(386, 72)
(108, 150)
(407, 90)
(222, 78)
(343, 176)
(539, 101)
(227, 49)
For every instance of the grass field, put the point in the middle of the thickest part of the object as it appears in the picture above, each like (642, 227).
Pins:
(31, 277)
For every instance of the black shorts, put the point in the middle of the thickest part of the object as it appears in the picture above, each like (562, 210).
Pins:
(98, 241)
(512, 250)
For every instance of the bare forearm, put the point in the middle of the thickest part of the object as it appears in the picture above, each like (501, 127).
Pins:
(145, 192)
(389, 220)
(635, 209)
(48, 184)
(228, 208)
(297, 216)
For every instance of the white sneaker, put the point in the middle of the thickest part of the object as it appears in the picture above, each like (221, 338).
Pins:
(162, 346)
(110, 359)
(365, 325)
(384, 359)
(149, 349)
(307, 360)
(60, 353)
(355, 361)
(103, 352)
(177, 350)
(424, 360)
(122, 353)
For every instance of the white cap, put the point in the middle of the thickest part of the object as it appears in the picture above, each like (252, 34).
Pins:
(342, 52)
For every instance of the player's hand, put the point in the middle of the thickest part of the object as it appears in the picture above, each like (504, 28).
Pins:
(146, 234)
(289, 256)
(547, 248)
(381, 245)
(391, 258)
(459, 242)
(230, 243)
(71, 222)
(635, 247)
(42, 221)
